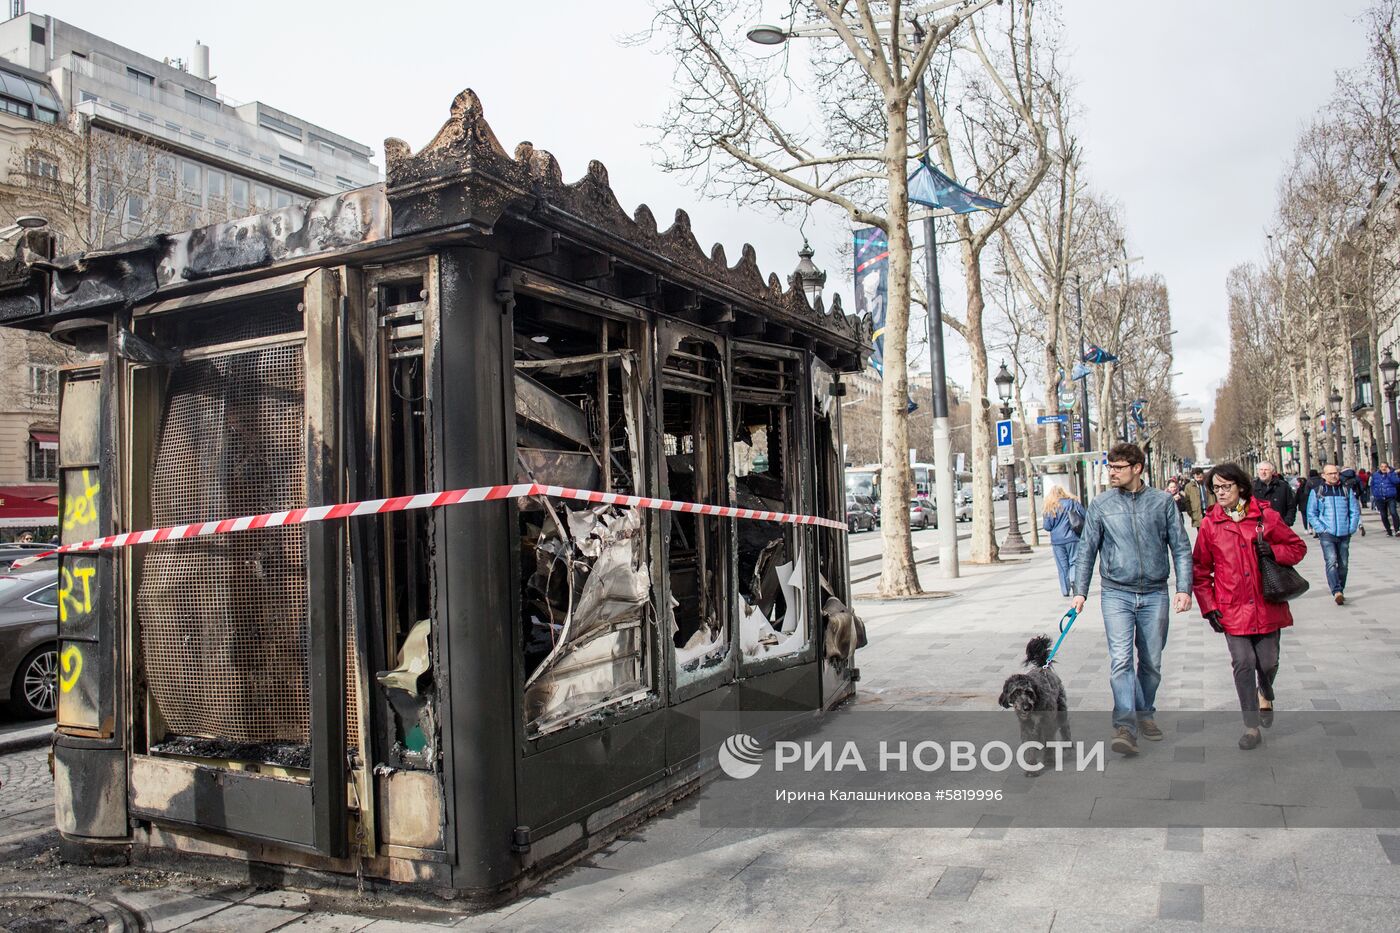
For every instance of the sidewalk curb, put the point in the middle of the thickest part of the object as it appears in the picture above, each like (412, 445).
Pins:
(23, 740)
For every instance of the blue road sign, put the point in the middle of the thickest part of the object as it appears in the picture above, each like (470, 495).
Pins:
(1004, 433)
(1052, 419)
(1079, 430)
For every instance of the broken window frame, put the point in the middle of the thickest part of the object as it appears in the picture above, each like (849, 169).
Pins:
(619, 363)
(799, 497)
(304, 807)
(670, 334)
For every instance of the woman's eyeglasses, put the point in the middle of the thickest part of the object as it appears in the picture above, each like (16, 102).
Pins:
(1222, 487)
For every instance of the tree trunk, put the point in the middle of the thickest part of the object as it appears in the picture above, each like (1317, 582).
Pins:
(1029, 473)
(984, 546)
(898, 575)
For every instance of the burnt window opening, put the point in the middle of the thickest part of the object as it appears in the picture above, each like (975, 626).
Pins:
(693, 432)
(773, 608)
(585, 583)
(399, 304)
(222, 621)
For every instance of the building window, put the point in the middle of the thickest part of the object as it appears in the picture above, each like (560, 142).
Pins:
(296, 165)
(140, 77)
(238, 192)
(85, 96)
(43, 386)
(42, 169)
(45, 115)
(172, 126)
(344, 182)
(135, 208)
(262, 197)
(281, 199)
(16, 107)
(37, 34)
(216, 184)
(43, 457)
(281, 127)
(106, 199)
(191, 182)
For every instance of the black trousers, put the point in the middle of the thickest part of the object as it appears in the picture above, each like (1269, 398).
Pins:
(1255, 660)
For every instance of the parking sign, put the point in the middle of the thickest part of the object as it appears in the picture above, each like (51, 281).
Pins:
(1004, 433)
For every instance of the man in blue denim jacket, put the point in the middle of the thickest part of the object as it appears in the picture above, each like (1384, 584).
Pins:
(1136, 535)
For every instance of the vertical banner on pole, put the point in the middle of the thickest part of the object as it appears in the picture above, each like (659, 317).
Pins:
(872, 273)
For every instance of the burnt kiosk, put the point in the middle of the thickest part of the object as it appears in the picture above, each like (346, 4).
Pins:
(459, 697)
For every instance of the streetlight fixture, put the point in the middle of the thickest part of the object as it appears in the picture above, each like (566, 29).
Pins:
(1335, 401)
(1014, 543)
(1389, 370)
(22, 223)
(807, 276)
(765, 34)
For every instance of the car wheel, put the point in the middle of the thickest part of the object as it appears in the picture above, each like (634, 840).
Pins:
(35, 691)
(851, 526)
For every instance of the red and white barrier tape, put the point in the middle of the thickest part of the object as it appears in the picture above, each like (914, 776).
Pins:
(426, 500)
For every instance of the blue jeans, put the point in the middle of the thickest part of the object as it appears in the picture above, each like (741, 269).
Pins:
(1334, 558)
(1135, 620)
(1064, 561)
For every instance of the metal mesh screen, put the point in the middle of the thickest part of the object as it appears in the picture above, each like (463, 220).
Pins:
(223, 619)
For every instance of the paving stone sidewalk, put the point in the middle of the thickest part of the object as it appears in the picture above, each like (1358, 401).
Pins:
(674, 873)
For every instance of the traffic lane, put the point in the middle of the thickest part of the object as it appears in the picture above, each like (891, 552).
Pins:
(865, 544)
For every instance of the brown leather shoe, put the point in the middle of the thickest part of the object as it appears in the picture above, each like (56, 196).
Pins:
(1123, 742)
(1339, 598)
(1149, 730)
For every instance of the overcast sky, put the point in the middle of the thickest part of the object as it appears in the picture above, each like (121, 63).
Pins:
(1191, 108)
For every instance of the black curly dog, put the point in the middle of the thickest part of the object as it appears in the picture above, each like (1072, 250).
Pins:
(1039, 700)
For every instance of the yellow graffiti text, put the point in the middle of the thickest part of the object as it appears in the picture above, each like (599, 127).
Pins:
(82, 510)
(72, 661)
(66, 597)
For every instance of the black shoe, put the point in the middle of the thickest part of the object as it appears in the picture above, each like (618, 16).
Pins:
(1251, 740)
(1266, 717)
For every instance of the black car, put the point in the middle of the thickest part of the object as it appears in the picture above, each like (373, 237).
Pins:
(858, 515)
(29, 641)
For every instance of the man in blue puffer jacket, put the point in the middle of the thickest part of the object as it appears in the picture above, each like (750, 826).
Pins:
(1383, 489)
(1334, 514)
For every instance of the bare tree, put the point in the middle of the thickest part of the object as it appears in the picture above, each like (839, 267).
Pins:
(743, 125)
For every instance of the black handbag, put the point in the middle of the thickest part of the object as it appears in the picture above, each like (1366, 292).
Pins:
(1280, 582)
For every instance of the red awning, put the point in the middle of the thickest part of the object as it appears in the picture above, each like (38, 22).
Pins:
(47, 440)
(17, 511)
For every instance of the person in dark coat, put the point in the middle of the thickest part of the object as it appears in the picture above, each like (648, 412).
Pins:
(1305, 488)
(1225, 579)
(1273, 489)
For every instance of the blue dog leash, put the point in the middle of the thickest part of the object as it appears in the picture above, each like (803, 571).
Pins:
(1066, 623)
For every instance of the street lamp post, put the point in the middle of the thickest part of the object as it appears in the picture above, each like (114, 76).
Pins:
(1389, 369)
(1335, 400)
(1307, 450)
(1014, 543)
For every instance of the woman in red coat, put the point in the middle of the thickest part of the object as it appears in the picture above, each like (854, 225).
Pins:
(1228, 589)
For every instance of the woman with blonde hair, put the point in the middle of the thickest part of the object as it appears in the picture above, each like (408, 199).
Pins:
(1063, 517)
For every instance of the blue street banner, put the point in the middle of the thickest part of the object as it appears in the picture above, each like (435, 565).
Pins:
(1138, 406)
(1080, 371)
(931, 188)
(872, 272)
(1052, 419)
(1097, 354)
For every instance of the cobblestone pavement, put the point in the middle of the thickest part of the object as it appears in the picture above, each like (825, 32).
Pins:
(675, 874)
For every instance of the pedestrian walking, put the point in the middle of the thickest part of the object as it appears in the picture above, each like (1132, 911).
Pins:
(1384, 485)
(1063, 517)
(1198, 499)
(1363, 488)
(1305, 489)
(1134, 533)
(1238, 532)
(1334, 514)
(1272, 488)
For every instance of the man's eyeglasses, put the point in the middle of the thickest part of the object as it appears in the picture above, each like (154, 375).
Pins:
(1120, 467)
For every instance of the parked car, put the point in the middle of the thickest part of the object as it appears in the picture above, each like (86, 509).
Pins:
(922, 514)
(999, 492)
(29, 641)
(858, 517)
(872, 505)
(963, 510)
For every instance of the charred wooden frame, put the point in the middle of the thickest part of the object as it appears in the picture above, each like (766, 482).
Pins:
(487, 690)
